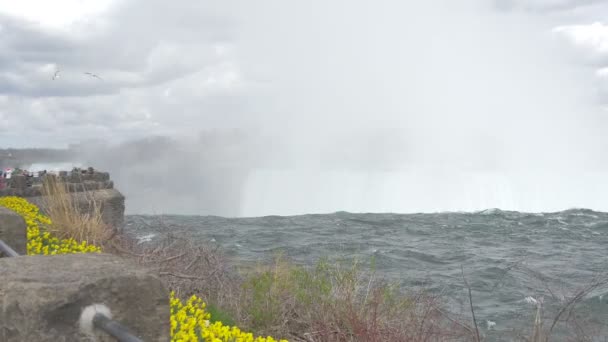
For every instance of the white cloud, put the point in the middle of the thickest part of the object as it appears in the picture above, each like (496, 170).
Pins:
(141, 50)
(589, 43)
(545, 6)
(593, 37)
(602, 73)
(57, 14)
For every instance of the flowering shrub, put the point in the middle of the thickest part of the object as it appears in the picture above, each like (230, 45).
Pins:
(38, 240)
(190, 323)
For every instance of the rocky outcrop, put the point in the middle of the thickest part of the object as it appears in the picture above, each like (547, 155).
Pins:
(111, 203)
(89, 188)
(13, 230)
(42, 297)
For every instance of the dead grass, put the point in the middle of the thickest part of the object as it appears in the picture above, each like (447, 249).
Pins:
(340, 301)
(325, 302)
(71, 218)
(185, 267)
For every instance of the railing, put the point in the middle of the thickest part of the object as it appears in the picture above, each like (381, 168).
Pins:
(7, 250)
(113, 328)
(100, 321)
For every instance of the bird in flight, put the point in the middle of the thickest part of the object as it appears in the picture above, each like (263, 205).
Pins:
(56, 75)
(93, 75)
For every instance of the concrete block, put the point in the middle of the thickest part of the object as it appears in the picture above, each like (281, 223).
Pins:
(13, 230)
(97, 176)
(75, 177)
(42, 297)
(90, 185)
(110, 201)
(33, 191)
(18, 182)
(14, 192)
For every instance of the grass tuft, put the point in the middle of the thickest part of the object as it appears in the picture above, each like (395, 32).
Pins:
(72, 219)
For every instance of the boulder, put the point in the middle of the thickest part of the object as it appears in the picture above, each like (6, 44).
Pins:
(42, 297)
(13, 231)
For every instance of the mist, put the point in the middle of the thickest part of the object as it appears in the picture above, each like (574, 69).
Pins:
(395, 106)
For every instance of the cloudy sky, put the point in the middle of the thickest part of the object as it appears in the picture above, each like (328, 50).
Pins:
(194, 65)
(480, 84)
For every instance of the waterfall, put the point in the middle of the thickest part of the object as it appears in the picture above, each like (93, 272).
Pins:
(292, 192)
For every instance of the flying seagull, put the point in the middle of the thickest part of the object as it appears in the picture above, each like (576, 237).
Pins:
(56, 75)
(93, 75)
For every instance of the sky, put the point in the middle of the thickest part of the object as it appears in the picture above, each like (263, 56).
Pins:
(180, 68)
(473, 86)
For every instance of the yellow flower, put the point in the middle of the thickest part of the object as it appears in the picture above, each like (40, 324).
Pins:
(190, 322)
(40, 241)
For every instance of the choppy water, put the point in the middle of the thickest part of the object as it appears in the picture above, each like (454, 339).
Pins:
(506, 256)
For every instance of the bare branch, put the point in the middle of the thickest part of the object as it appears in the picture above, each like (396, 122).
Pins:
(466, 283)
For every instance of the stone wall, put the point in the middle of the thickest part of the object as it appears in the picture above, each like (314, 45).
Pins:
(111, 202)
(42, 298)
(89, 188)
(20, 185)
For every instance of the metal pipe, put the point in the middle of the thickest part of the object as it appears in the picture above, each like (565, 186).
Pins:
(114, 329)
(7, 250)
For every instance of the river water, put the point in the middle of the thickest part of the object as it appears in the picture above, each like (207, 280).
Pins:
(506, 256)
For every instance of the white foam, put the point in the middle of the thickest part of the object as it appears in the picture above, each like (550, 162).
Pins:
(490, 211)
(145, 238)
(531, 300)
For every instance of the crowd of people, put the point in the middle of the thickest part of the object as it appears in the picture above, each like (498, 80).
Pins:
(8, 173)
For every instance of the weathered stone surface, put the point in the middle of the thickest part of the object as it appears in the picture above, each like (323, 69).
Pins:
(42, 297)
(103, 176)
(13, 231)
(110, 184)
(90, 185)
(112, 206)
(110, 201)
(18, 182)
(74, 177)
(18, 192)
(33, 191)
(85, 187)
